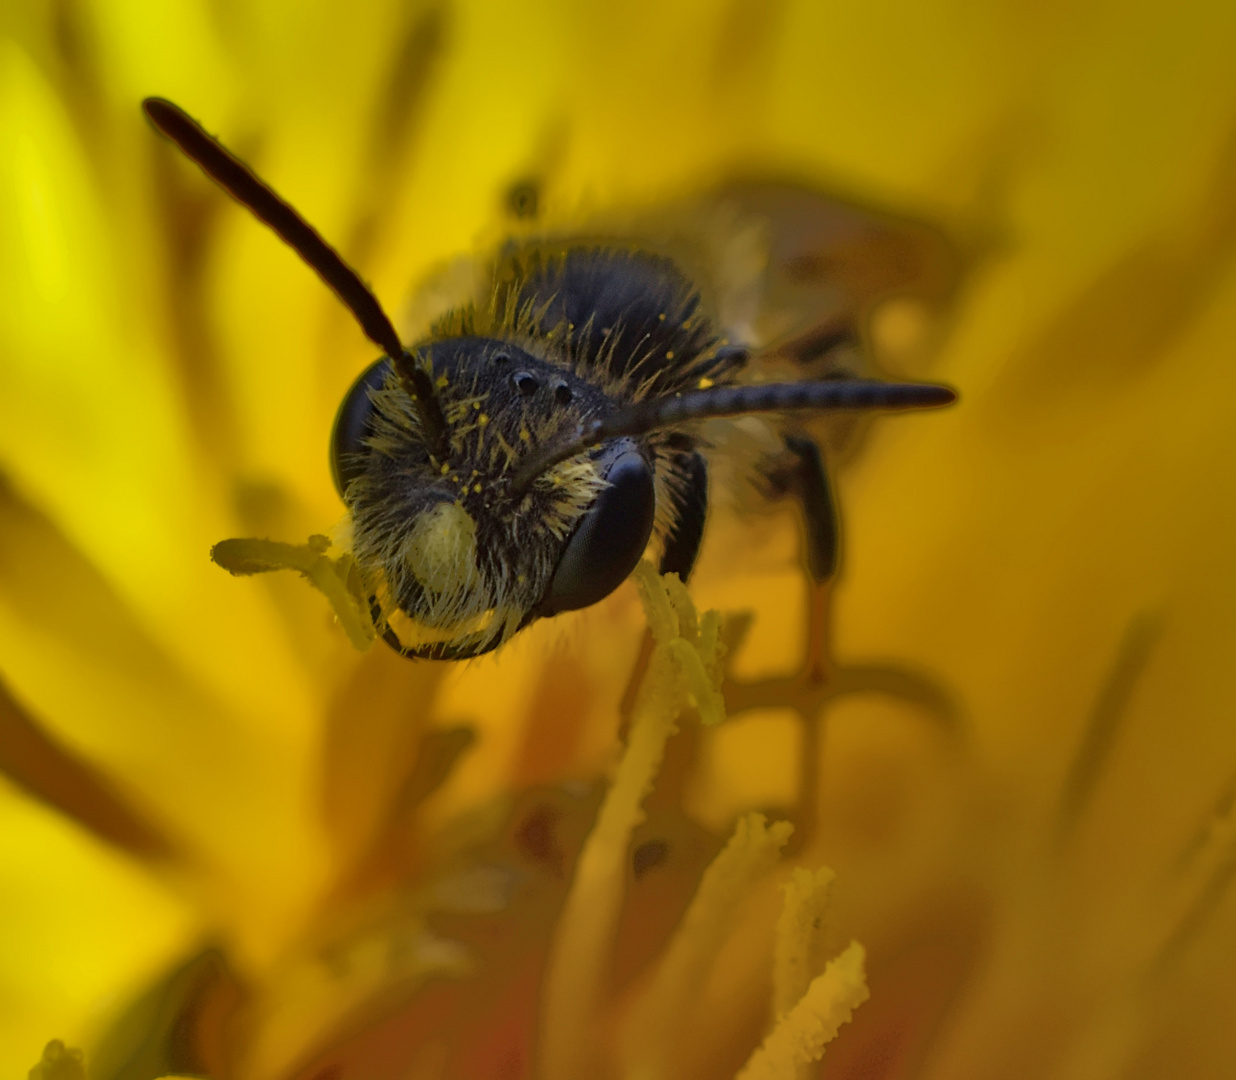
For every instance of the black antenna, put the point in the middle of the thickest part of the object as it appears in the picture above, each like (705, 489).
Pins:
(646, 416)
(222, 166)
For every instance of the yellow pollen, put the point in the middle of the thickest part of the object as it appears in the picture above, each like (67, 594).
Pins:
(705, 383)
(445, 468)
(661, 316)
(476, 488)
(442, 382)
(441, 550)
(482, 420)
(525, 434)
(669, 354)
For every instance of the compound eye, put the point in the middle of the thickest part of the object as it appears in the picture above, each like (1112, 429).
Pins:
(612, 535)
(353, 423)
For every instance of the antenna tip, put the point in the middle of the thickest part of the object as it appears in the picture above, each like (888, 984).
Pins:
(162, 113)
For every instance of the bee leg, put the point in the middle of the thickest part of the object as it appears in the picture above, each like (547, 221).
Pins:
(802, 473)
(682, 546)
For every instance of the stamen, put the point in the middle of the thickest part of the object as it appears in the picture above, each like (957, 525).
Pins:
(661, 1012)
(575, 980)
(1106, 719)
(800, 935)
(802, 1034)
(338, 579)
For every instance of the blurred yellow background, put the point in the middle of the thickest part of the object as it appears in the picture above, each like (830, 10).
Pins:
(169, 371)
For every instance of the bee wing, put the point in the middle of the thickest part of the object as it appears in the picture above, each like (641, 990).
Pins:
(817, 285)
(792, 271)
(832, 266)
(800, 274)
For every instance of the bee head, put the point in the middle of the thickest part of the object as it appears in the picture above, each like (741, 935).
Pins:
(441, 532)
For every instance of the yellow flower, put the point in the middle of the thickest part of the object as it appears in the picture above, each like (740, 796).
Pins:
(232, 846)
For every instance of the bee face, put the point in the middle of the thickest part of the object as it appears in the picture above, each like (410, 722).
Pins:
(443, 534)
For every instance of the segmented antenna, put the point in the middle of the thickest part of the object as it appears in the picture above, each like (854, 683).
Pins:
(717, 401)
(222, 166)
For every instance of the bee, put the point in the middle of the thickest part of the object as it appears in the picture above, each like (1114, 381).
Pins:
(519, 461)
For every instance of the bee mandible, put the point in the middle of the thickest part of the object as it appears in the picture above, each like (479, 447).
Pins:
(519, 461)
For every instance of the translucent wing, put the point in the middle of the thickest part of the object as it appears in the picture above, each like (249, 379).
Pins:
(819, 283)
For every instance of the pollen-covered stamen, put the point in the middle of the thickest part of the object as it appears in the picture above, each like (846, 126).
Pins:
(801, 1035)
(574, 985)
(665, 1006)
(800, 936)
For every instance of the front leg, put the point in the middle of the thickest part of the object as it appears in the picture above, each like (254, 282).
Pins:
(682, 545)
